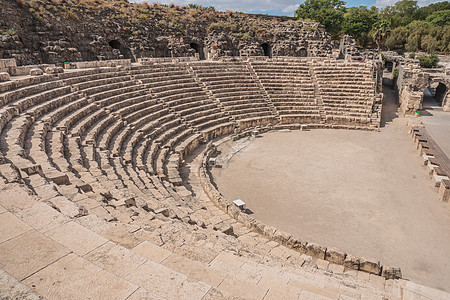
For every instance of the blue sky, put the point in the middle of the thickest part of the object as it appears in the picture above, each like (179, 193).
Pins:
(275, 7)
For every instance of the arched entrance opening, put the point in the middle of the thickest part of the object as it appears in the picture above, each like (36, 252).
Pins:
(266, 49)
(440, 93)
(115, 44)
(389, 65)
(198, 49)
(436, 95)
(303, 52)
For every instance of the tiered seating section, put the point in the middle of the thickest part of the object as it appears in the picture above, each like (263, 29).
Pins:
(124, 131)
(290, 88)
(236, 89)
(104, 146)
(347, 92)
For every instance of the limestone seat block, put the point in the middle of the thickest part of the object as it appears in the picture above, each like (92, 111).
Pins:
(28, 253)
(73, 277)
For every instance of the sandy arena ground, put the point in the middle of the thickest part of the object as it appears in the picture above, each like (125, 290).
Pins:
(366, 193)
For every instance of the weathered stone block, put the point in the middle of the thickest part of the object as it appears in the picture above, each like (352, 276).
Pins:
(269, 231)
(281, 237)
(224, 228)
(335, 255)
(370, 266)
(4, 76)
(391, 273)
(444, 190)
(315, 250)
(54, 70)
(297, 244)
(351, 262)
(164, 211)
(36, 72)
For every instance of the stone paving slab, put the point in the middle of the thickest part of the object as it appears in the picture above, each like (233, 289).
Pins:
(12, 289)
(195, 270)
(166, 282)
(14, 197)
(2, 209)
(116, 259)
(11, 226)
(152, 252)
(244, 289)
(143, 294)
(276, 293)
(28, 253)
(74, 278)
(42, 217)
(76, 238)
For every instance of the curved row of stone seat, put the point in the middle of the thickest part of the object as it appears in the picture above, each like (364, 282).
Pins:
(109, 144)
(290, 88)
(91, 120)
(126, 263)
(237, 91)
(129, 137)
(347, 91)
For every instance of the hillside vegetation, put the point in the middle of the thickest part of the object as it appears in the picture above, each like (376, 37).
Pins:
(402, 26)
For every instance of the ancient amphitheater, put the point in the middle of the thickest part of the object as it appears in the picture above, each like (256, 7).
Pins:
(108, 183)
(106, 190)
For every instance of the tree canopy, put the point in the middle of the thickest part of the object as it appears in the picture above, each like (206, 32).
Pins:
(329, 13)
(402, 26)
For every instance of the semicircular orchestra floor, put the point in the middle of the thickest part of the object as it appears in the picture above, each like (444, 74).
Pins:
(363, 192)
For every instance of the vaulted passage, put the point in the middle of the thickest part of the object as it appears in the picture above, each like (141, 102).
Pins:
(198, 49)
(266, 49)
(441, 92)
(115, 44)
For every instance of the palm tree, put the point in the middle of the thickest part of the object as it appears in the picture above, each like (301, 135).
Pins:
(380, 31)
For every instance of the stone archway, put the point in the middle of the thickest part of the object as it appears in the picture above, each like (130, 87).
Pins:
(412, 84)
(267, 49)
(441, 93)
(198, 49)
(115, 44)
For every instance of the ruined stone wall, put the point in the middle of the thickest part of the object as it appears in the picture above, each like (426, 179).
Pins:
(51, 31)
(412, 82)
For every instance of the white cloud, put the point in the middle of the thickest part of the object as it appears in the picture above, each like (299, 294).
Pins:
(250, 6)
(384, 3)
(290, 8)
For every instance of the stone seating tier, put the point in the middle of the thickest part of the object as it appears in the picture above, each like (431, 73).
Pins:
(106, 137)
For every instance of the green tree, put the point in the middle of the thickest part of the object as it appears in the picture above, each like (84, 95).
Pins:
(329, 13)
(401, 13)
(424, 12)
(397, 38)
(358, 21)
(380, 31)
(416, 31)
(439, 18)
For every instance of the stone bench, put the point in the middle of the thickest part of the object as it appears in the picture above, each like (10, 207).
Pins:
(178, 91)
(311, 118)
(161, 89)
(202, 124)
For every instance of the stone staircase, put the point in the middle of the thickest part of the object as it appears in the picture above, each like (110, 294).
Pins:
(317, 95)
(44, 252)
(266, 95)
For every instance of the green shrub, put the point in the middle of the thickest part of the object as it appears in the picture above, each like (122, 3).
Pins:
(395, 72)
(400, 52)
(412, 55)
(428, 61)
